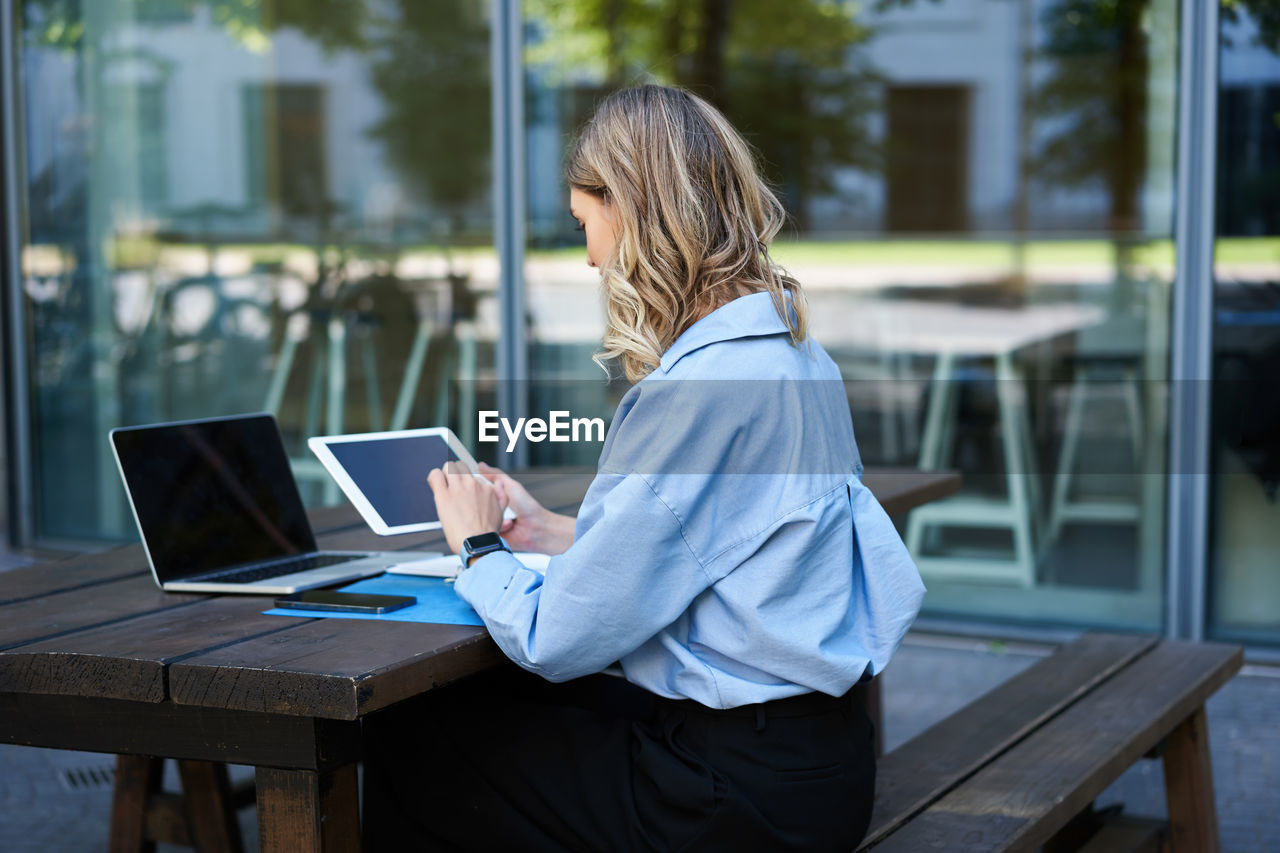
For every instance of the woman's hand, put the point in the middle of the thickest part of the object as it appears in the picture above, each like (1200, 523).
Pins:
(467, 505)
(535, 528)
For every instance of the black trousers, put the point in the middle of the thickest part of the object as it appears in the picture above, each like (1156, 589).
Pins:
(509, 761)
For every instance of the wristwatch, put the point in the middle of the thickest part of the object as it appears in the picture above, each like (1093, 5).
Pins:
(481, 544)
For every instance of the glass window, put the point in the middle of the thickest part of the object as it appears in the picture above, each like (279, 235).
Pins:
(249, 206)
(981, 206)
(1244, 602)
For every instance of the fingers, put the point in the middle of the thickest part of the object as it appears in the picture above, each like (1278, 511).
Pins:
(503, 497)
(455, 470)
(492, 474)
(437, 481)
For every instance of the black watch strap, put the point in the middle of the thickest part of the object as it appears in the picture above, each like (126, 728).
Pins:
(481, 544)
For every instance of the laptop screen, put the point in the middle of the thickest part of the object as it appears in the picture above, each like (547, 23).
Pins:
(212, 494)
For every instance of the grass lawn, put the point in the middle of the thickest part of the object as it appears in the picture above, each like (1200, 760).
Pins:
(138, 251)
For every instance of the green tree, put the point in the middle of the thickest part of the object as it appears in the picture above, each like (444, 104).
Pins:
(789, 75)
(431, 67)
(333, 23)
(1265, 13)
(1099, 58)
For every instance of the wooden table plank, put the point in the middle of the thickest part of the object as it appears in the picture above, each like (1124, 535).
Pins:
(77, 609)
(128, 660)
(902, 489)
(1018, 800)
(29, 582)
(333, 668)
(935, 761)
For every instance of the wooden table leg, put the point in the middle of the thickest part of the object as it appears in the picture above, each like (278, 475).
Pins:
(138, 777)
(307, 810)
(1188, 783)
(211, 815)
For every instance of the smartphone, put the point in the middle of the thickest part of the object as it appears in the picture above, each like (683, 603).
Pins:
(352, 602)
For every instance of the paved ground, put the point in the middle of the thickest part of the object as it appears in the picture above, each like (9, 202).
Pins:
(60, 801)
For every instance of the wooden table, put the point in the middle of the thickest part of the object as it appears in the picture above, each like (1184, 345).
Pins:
(94, 657)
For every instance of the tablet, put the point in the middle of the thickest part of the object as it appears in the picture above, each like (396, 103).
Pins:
(384, 474)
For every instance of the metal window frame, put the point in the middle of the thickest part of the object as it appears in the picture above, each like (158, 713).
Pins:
(13, 337)
(1191, 333)
(509, 208)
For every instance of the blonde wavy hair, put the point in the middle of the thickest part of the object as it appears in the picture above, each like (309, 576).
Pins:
(692, 215)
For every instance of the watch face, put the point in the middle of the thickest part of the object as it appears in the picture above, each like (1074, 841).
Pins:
(483, 541)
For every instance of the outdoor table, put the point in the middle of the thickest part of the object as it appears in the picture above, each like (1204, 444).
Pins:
(93, 656)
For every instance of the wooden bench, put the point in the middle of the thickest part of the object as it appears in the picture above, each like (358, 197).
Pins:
(1020, 767)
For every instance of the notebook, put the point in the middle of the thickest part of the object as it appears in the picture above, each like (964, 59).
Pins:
(218, 510)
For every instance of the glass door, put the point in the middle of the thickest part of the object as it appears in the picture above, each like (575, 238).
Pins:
(1244, 524)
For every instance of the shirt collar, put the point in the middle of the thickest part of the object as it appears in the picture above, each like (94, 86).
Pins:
(750, 316)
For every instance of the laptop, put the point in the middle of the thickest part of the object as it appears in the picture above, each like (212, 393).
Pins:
(219, 511)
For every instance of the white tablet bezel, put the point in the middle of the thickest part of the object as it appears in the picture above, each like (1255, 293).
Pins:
(319, 445)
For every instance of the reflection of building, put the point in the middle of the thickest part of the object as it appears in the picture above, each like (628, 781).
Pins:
(954, 109)
(208, 137)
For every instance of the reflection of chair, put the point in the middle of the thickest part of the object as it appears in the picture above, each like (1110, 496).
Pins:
(456, 355)
(211, 327)
(961, 335)
(328, 361)
(881, 388)
(376, 316)
(1107, 358)
(1017, 512)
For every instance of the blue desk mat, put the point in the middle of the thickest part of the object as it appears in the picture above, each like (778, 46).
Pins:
(437, 602)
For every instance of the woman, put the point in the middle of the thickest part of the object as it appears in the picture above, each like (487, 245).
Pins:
(727, 557)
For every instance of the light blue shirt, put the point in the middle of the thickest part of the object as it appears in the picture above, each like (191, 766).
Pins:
(727, 551)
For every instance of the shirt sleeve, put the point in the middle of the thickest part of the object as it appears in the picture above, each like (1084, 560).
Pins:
(628, 575)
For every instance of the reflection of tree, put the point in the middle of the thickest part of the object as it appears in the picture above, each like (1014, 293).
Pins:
(332, 23)
(429, 60)
(1099, 83)
(1265, 13)
(432, 70)
(785, 73)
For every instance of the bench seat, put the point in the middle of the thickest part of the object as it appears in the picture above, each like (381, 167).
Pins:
(1011, 769)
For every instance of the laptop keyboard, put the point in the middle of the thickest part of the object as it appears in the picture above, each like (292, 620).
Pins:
(287, 567)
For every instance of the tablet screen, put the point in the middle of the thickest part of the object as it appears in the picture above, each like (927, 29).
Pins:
(392, 474)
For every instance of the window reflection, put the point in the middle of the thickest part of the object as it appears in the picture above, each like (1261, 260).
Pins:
(245, 206)
(1245, 453)
(981, 209)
